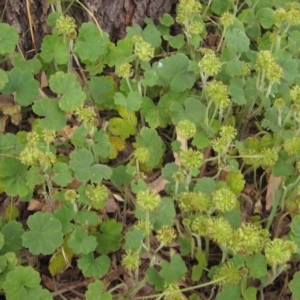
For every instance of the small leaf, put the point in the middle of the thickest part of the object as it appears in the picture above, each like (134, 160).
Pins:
(134, 238)
(3, 78)
(295, 225)
(173, 270)
(101, 145)
(174, 69)
(149, 138)
(197, 270)
(49, 108)
(122, 127)
(237, 40)
(23, 85)
(120, 176)
(55, 48)
(230, 291)
(44, 235)
(110, 236)
(81, 242)
(90, 43)
(95, 291)
(257, 265)
(155, 279)
(92, 267)
(205, 185)
(265, 17)
(13, 177)
(132, 102)
(32, 65)
(166, 20)
(65, 214)
(66, 84)
(8, 38)
(24, 283)
(62, 173)
(294, 286)
(12, 233)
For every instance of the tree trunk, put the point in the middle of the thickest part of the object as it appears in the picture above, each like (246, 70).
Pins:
(113, 16)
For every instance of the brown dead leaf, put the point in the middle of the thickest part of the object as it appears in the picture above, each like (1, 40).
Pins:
(111, 205)
(272, 189)
(14, 112)
(3, 120)
(35, 205)
(44, 80)
(182, 147)
(158, 184)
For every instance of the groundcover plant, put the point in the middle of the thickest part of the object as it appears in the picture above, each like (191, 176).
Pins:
(163, 166)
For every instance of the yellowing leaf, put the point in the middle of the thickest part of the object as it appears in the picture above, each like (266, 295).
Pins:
(118, 145)
(61, 259)
(11, 213)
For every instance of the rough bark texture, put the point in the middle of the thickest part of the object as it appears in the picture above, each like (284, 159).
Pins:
(113, 16)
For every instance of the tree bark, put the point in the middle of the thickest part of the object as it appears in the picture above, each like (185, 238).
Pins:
(112, 15)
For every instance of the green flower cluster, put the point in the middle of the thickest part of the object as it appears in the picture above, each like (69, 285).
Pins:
(229, 273)
(166, 235)
(87, 116)
(222, 143)
(142, 155)
(227, 19)
(97, 195)
(66, 26)
(142, 50)
(190, 158)
(172, 292)
(131, 260)
(148, 200)
(248, 239)
(292, 145)
(186, 129)
(278, 252)
(224, 200)
(194, 202)
(290, 14)
(266, 62)
(210, 63)
(124, 70)
(217, 91)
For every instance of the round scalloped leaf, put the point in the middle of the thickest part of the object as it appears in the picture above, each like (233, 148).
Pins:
(3, 79)
(49, 108)
(92, 267)
(32, 65)
(44, 235)
(12, 232)
(23, 85)
(55, 48)
(8, 38)
(63, 175)
(24, 283)
(81, 242)
(91, 44)
(95, 291)
(66, 84)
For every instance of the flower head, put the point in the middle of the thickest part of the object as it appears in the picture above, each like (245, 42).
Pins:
(131, 260)
(66, 26)
(227, 19)
(166, 235)
(97, 195)
(224, 200)
(124, 70)
(143, 50)
(229, 273)
(217, 91)
(142, 155)
(186, 129)
(148, 199)
(210, 63)
(190, 158)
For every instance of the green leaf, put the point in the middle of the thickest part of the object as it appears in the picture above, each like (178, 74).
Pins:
(120, 176)
(44, 235)
(205, 185)
(81, 242)
(23, 85)
(288, 64)
(13, 177)
(185, 244)
(62, 173)
(91, 44)
(295, 225)
(230, 291)
(201, 140)
(165, 213)
(12, 233)
(294, 286)
(173, 270)
(155, 279)
(92, 267)
(1, 244)
(103, 89)
(110, 236)
(122, 127)
(49, 108)
(120, 53)
(34, 177)
(87, 218)
(197, 270)
(134, 238)
(149, 138)
(3, 79)
(55, 48)
(81, 162)
(32, 65)
(174, 70)
(294, 41)
(265, 17)
(257, 265)
(66, 84)
(166, 20)
(220, 6)
(24, 283)
(65, 214)
(132, 102)
(237, 40)
(95, 292)
(250, 293)
(11, 262)
(8, 38)
(236, 91)
(101, 145)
